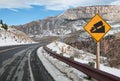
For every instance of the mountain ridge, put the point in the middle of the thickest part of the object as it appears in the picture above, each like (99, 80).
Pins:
(71, 18)
(107, 12)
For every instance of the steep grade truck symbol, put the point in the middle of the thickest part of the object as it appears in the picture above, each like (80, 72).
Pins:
(98, 28)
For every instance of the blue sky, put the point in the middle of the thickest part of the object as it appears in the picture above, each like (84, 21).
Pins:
(22, 16)
(16, 12)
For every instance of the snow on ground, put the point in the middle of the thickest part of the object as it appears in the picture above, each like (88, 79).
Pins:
(110, 70)
(116, 26)
(114, 29)
(69, 51)
(13, 37)
(58, 69)
(54, 72)
(9, 41)
(82, 57)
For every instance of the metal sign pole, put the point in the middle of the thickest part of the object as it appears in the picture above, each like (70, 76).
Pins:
(98, 56)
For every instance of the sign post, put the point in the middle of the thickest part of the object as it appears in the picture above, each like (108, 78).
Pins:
(98, 56)
(97, 28)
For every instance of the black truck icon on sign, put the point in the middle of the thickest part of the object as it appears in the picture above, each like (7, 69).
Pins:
(98, 28)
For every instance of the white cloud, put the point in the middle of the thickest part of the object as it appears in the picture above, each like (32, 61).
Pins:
(14, 4)
(117, 2)
(13, 9)
(53, 4)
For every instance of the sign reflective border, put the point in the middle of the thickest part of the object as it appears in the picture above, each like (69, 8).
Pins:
(97, 27)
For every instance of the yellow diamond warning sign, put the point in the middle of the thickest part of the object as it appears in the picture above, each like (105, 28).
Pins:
(97, 27)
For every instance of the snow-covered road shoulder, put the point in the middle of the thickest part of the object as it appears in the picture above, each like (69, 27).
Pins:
(54, 72)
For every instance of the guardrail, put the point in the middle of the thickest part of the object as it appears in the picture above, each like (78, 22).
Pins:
(90, 71)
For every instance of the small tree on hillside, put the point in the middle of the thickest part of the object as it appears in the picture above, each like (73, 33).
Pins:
(5, 26)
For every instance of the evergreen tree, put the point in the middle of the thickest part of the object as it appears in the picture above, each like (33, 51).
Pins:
(1, 22)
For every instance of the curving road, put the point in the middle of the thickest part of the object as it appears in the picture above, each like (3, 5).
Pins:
(20, 63)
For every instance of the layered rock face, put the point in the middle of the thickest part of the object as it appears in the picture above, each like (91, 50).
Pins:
(107, 12)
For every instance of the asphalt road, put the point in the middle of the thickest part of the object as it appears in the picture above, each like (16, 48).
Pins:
(20, 63)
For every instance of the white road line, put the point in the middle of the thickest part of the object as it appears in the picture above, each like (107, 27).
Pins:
(31, 74)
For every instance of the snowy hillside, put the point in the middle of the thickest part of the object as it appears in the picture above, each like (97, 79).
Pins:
(13, 36)
(81, 56)
(72, 27)
(79, 25)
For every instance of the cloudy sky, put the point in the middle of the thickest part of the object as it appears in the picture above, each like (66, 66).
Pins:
(16, 12)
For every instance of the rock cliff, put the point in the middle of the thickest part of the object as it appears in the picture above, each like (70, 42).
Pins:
(107, 12)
